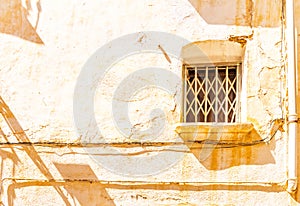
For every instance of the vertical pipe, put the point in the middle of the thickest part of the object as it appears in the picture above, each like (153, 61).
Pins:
(291, 83)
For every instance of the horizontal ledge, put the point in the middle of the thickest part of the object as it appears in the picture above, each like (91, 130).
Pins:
(214, 127)
(222, 131)
(25, 182)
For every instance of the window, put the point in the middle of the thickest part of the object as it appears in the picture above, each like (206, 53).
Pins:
(211, 93)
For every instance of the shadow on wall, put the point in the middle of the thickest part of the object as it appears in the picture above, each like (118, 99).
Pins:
(14, 21)
(232, 153)
(21, 137)
(92, 193)
(85, 192)
(229, 157)
(7, 154)
(240, 12)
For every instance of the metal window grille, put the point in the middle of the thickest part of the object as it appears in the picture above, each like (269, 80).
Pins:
(211, 93)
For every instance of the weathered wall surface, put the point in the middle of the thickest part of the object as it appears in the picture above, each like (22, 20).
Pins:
(44, 47)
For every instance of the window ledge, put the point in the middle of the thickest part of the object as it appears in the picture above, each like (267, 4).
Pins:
(222, 131)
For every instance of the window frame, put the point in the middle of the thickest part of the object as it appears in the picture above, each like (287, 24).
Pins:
(239, 69)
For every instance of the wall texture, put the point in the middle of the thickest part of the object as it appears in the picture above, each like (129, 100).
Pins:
(46, 159)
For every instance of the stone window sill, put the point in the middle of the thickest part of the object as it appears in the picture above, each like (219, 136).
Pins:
(241, 132)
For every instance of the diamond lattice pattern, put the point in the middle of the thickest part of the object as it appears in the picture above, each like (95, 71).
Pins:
(211, 94)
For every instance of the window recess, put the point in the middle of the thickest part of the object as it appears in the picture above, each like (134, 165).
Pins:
(211, 93)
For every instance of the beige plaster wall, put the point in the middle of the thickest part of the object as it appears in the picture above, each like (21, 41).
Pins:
(44, 47)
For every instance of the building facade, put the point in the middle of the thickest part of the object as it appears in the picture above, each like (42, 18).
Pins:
(175, 102)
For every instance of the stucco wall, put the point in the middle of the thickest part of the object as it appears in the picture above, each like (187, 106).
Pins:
(44, 47)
